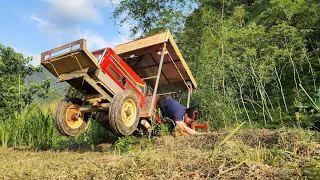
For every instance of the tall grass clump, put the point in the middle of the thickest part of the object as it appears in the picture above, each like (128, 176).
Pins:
(34, 127)
(29, 127)
(96, 134)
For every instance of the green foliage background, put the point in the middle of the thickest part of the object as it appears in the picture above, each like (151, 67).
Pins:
(14, 93)
(248, 56)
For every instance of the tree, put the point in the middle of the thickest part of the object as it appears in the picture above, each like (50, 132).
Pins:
(147, 17)
(248, 56)
(13, 70)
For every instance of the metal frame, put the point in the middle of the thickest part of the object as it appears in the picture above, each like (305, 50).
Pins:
(157, 80)
(165, 40)
(90, 108)
(88, 79)
(155, 42)
(188, 84)
(48, 54)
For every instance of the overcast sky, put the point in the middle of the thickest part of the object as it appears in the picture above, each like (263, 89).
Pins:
(35, 26)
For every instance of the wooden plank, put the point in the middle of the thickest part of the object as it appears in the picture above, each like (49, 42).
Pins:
(142, 43)
(176, 49)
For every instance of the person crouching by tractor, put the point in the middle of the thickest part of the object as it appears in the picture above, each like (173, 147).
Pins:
(182, 116)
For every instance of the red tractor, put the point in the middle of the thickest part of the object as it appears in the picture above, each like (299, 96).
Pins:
(119, 86)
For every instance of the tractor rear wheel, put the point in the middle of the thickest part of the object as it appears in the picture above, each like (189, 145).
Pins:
(124, 113)
(69, 121)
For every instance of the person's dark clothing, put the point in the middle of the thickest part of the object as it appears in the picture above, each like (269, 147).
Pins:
(171, 108)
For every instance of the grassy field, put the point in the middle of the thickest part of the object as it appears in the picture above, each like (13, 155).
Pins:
(249, 154)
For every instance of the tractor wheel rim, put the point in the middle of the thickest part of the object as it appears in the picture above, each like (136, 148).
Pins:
(71, 112)
(128, 112)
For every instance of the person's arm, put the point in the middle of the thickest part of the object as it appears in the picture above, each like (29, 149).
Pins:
(185, 128)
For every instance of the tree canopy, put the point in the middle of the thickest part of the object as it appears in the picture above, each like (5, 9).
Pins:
(147, 17)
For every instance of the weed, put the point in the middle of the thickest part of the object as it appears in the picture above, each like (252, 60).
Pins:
(125, 144)
(228, 137)
(247, 154)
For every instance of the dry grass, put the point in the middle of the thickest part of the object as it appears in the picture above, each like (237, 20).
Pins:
(250, 154)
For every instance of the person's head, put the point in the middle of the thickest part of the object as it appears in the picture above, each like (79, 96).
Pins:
(192, 115)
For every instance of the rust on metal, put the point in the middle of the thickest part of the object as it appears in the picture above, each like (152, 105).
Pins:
(73, 119)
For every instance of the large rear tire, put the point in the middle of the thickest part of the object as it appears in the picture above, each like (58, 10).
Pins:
(124, 113)
(68, 120)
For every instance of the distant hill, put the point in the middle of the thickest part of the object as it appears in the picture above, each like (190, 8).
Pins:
(39, 77)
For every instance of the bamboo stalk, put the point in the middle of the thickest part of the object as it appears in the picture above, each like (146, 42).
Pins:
(314, 104)
(281, 89)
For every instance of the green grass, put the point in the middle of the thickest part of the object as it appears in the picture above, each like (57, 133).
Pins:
(248, 154)
(30, 127)
(34, 127)
(242, 153)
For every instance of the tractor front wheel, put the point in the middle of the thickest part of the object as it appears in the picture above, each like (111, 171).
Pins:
(124, 113)
(68, 119)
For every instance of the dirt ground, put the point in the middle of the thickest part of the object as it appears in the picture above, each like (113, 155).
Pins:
(250, 154)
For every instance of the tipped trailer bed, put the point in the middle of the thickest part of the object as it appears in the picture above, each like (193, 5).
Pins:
(119, 88)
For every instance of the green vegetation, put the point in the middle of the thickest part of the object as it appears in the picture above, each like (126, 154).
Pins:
(249, 154)
(246, 152)
(29, 127)
(57, 90)
(14, 94)
(248, 57)
(34, 127)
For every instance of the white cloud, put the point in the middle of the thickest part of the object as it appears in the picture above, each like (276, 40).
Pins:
(71, 11)
(105, 2)
(66, 12)
(97, 42)
(61, 22)
(94, 41)
(120, 39)
(36, 57)
(47, 28)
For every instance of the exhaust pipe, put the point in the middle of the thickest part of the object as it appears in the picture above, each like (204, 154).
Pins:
(146, 125)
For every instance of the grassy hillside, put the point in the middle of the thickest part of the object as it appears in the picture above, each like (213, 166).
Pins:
(250, 154)
(39, 77)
